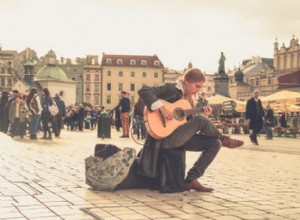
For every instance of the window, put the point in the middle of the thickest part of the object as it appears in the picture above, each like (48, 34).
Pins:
(156, 63)
(2, 81)
(144, 74)
(144, 63)
(108, 73)
(119, 61)
(132, 87)
(108, 61)
(132, 74)
(87, 98)
(96, 77)
(96, 101)
(108, 99)
(155, 75)
(132, 62)
(96, 87)
(108, 87)
(9, 82)
(87, 87)
(87, 77)
(257, 81)
(120, 87)
(120, 73)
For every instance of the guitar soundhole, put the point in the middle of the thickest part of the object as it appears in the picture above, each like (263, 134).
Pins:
(178, 114)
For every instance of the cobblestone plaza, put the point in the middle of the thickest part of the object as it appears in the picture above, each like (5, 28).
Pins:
(46, 180)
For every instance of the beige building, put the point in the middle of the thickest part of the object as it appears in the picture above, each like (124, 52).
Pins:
(287, 58)
(8, 75)
(128, 73)
(92, 81)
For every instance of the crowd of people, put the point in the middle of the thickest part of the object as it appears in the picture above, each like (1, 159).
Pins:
(28, 114)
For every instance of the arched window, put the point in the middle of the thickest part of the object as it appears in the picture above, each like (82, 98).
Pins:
(132, 62)
(156, 63)
(108, 61)
(119, 61)
(144, 63)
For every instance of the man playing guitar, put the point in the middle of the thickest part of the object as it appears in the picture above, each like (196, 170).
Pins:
(195, 134)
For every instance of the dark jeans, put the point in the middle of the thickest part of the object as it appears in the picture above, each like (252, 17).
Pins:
(198, 134)
(269, 131)
(46, 118)
(57, 123)
(18, 128)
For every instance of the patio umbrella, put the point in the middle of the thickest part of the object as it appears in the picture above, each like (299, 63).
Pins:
(217, 100)
(283, 97)
(286, 108)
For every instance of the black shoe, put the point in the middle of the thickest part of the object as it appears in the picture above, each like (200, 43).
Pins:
(251, 138)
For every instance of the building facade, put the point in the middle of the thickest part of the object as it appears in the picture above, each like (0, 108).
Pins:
(8, 74)
(287, 58)
(92, 83)
(128, 73)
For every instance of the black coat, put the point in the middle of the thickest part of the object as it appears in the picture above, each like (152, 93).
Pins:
(269, 117)
(256, 117)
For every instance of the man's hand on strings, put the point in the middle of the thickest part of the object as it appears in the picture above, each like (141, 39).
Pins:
(167, 114)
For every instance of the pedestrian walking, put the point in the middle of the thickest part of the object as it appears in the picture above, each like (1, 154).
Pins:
(255, 116)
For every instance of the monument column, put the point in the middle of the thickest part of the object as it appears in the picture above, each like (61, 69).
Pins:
(221, 79)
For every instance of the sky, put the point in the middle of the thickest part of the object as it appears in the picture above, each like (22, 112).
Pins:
(177, 31)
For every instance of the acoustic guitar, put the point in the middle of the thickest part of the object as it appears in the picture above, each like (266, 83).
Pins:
(158, 127)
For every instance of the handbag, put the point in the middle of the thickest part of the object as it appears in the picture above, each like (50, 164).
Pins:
(103, 173)
(53, 109)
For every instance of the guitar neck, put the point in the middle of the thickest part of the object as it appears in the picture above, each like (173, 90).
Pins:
(193, 111)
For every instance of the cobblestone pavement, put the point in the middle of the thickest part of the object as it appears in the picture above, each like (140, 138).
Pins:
(45, 180)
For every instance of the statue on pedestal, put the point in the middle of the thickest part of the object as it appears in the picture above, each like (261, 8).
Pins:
(222, 59)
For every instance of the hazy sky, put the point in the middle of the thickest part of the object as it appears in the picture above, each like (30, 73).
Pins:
(178, 31)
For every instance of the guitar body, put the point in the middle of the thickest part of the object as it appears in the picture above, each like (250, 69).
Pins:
(160, 128)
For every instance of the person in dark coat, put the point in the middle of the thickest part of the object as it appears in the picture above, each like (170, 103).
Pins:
(46, 116)
(124, 106)
(197, 134)
(282, 120)
(3, 119)
(202, 101)
(58, 119)
(7, 109)
(80, 117)
(269, 119)
(255, 116)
